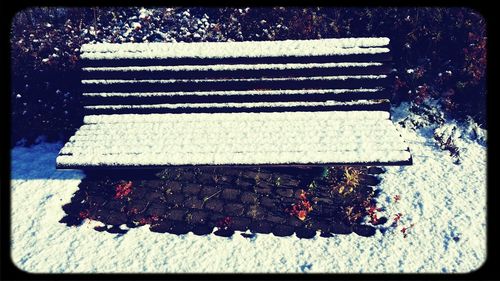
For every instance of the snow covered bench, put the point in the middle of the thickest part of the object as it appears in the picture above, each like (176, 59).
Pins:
(294, 102)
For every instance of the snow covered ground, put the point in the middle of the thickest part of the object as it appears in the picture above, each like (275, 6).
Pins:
(446, 203)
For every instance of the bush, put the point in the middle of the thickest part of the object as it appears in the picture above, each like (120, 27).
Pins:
(439, 53)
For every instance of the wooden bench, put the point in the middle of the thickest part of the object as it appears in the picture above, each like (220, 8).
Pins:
(293, 102)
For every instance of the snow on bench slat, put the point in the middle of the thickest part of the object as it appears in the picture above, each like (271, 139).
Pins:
(223, 67)
(235, 138)
(320, 47)
(231, 121)
(222, 93)
(236, 105)
(304, 157)
(167, 81)
(104, 133)
(265, 117)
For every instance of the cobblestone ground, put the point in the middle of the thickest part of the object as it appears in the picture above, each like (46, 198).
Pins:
(282, 201)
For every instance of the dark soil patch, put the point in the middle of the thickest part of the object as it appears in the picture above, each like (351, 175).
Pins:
(282, 201)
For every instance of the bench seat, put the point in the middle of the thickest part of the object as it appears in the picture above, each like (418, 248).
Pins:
(139, 140)
(293, 102)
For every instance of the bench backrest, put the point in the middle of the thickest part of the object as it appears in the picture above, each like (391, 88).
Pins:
(291, 75)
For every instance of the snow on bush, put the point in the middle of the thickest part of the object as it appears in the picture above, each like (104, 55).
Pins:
(450, 135)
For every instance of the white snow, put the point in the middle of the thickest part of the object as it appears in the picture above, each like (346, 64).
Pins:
(223, 67)
(220, 93)
(340, 46)
(166, 81)
(442, 199)
(344, 116)
(136, 25)
(236, 138)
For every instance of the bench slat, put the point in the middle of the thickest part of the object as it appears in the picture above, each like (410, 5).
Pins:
(382, 57)
(326, 82)
(374, 105)
(191, 120)
(232, 96)
(235, 138)
(247, 49)
(159, 73)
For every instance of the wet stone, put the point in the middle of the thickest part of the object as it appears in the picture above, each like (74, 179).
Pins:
(285, 192)
(276, 218)
(206, 179)
(326, 234)
(330, 211)
(179, 227)
(369, 180)
(248, 235)
(322, 200)
(208, 191)
(152, 195)
(240, 224)
(174, 186)
(202, 229)
(228, 179)
(138, 205)
(156, 209)
(176, 214)
(233, 209)
(161, 226)
(297, 192)
(215, 205)
(363, 230)
(294, 221)
(197, 217)
(232, 172)
(323, 193)
(137, 217)
(288, 182)
(193, 203)
(216, 217)
(250, 174)
(268, 202)
(102, 214)
(365, 190)
(116, 230)
(116, 218)
(249, 198)
(375, 170)
(96, 201)
(381, 220)
(230, 194)
(186, 176)
(114, 205)
(263, 190)
(192, 188)
(305, 233)
(176, 198)
(288, 201)
(138, 193)
(100, 228)
(155, 184)
(317, 224)
(282, 230)
(243, 184)
(261, 227)
(256, 212)
(339, 228)
(224, 232)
